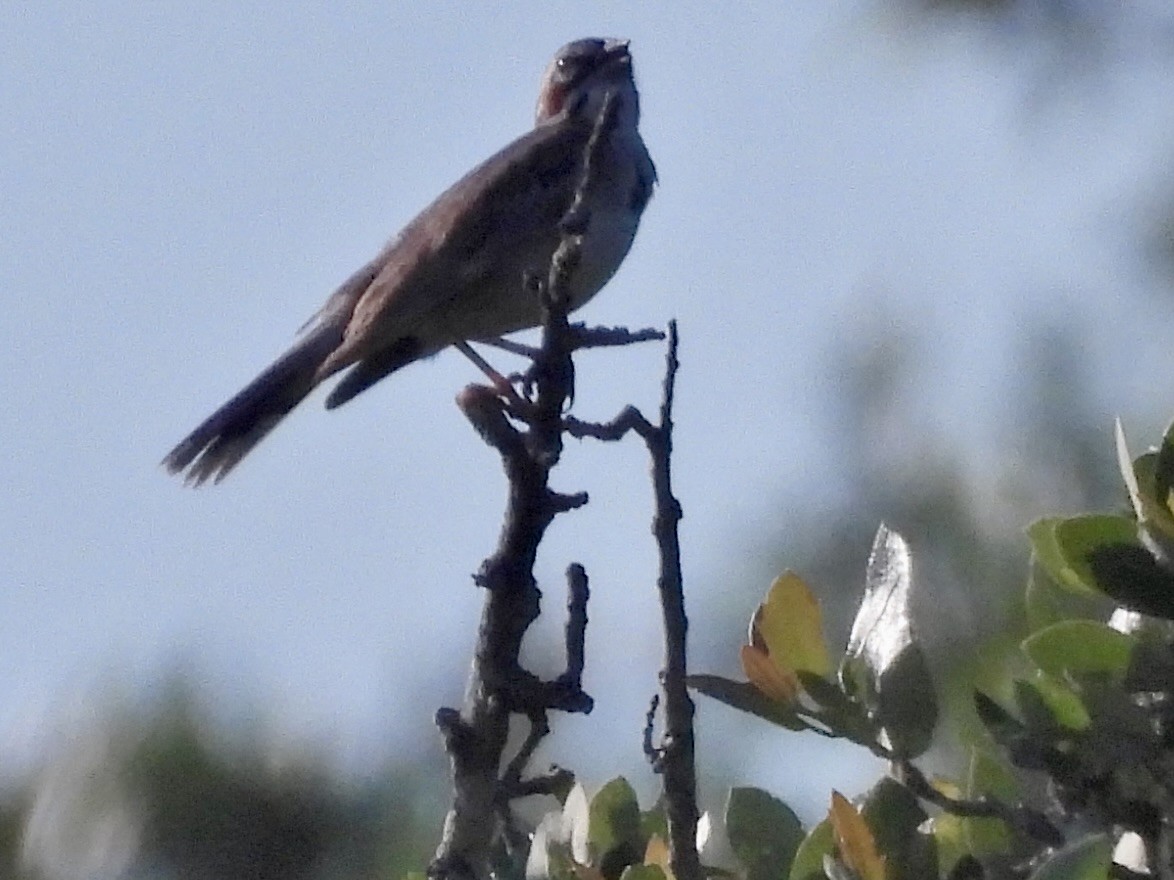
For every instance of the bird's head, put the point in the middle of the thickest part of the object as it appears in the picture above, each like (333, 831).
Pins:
(581, 75)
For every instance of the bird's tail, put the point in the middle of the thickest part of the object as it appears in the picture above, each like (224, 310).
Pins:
(229, 434)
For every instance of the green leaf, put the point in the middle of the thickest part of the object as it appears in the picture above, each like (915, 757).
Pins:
(654, 822)
(1164, 469)
(949, 834)
(894, 814)
(1042, 534)
(1080, 647)
(1151, 508)
(990, 777)
(1086, 859)
(764, 833)
(615, 823)
(1131, 576)
(1047, 602)
(808, 861)
(908, 708)
(826, 694)
(744, 696)
(1064, 706)
(1078, 537)
(1003, 726)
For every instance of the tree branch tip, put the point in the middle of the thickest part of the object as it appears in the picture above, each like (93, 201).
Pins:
(563, 503)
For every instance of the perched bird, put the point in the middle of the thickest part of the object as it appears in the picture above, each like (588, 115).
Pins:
(457, 272)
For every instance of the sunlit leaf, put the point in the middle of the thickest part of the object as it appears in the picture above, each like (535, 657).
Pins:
(576, 823)
(657, 853)
(770, 677)
(882, 628)
(855, 841)
(1128, 473)
(884, 663)
(789, 626)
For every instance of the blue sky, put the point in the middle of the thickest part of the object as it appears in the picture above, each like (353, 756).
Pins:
(184, 185)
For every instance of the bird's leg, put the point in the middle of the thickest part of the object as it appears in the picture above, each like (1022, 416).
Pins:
(518, 348)
(503, 385)
(525, 378)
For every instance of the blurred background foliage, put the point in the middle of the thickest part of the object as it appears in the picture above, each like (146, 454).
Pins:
(174, 786)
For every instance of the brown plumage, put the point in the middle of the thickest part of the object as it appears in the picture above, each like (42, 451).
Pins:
(456, 272)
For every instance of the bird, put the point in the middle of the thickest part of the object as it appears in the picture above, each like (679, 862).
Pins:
(459, 271)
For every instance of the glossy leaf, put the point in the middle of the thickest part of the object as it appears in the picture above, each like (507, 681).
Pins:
(884, 664)
(764, 833)
(857, 847)
(1129, 472)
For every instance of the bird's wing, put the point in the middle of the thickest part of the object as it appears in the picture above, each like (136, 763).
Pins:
(527, 185)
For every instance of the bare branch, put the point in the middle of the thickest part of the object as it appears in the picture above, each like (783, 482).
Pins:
(675, 756)
(475, 738)
(578, 592)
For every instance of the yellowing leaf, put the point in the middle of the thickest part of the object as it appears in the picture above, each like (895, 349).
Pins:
(855, 841)
(772, 681)
(788, 625)
(657, 853)
(948, 787)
